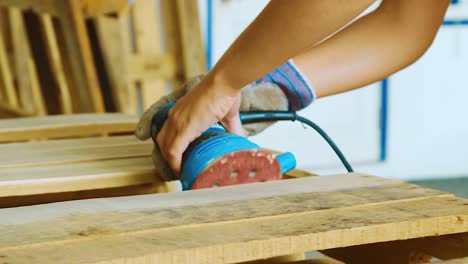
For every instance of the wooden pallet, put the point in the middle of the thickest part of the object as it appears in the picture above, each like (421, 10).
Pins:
(353, 218)
(241, 223)
(148, 66)
(69, 168)
(67, 48)
(61, 55)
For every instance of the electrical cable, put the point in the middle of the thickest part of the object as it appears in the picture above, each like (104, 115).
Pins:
(262, 116)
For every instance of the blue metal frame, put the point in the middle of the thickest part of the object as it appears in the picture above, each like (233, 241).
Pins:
(383, 119)
(209, 34)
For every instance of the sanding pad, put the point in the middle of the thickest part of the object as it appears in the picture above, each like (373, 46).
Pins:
(240, 167)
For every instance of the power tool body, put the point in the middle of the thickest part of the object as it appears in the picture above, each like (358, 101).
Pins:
(219, 158)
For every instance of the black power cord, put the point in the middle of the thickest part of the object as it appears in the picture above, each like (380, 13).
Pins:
(262, 116)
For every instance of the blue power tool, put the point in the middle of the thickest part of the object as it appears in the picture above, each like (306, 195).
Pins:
(218, 158)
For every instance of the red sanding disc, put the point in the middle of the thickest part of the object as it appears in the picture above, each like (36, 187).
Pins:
(246, 166)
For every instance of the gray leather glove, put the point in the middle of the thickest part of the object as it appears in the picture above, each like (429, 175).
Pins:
(262, 96)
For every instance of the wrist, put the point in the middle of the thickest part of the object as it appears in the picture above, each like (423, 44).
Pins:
(220, 84)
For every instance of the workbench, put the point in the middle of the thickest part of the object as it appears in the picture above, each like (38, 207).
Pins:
(355, 218)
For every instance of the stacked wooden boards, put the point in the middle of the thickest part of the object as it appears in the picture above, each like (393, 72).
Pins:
(35, 172)
(234, 224)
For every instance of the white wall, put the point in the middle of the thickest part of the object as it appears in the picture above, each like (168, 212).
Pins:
(428, 128)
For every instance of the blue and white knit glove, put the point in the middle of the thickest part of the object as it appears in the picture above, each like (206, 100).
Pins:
(284, 88)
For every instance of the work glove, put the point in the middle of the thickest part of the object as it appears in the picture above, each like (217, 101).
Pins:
(285, 88)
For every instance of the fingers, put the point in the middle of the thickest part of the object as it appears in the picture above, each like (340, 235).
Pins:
(233, 124)
(162, 167)
(143, 128)
(172, 141)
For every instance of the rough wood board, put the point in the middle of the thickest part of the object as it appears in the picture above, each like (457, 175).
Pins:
(30, 97)
(114, 42)
(230, 224)
(15, 201)
(72, 20)
(173, 40)
(6, 76)
(39, 158)
(456, 261)
(77, 176)
(192, 44)
(40, 6)
(93, 8)
(147, 30)
(407, 251)
(59, 144)
(55, 60)
(7, 111)
(62, 126)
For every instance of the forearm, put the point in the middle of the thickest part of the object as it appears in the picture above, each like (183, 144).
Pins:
(283, 29)
(385, 41)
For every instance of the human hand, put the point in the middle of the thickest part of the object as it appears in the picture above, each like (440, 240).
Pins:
(261, 96)
(205, 105)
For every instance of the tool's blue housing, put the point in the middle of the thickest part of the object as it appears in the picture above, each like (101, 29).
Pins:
(213, 144)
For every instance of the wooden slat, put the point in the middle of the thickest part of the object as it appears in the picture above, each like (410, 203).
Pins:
(147, 67)
(192, 44)
(40, 6)
(6, 111)
(55, 60)
(173, 40)
(77, 176)
(30, 96)
(62, 144)
(405, 251)
(6, 77)
(147, 30)
(15, 201)
(92, 8)
(231, 224)
(456, 261)
(79, 53)
(114, 41)
(63, 126)
(36, 157)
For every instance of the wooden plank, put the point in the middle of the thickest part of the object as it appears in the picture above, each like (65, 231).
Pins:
(148, 67)
(39, 6)
(92, 8)
(36, 157)
(73, 143)
(114, 41)
(443, 247)
(406, 251)
(456, 261)
(15, 201)
(63, 126)
(191, 38)
(6, 77)
(55, 60)
(147, 30)
(6, 111)
(173, 40)
(230, 224)
(77, 176)
(293, 258)
(30, 96)
(82, 64)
